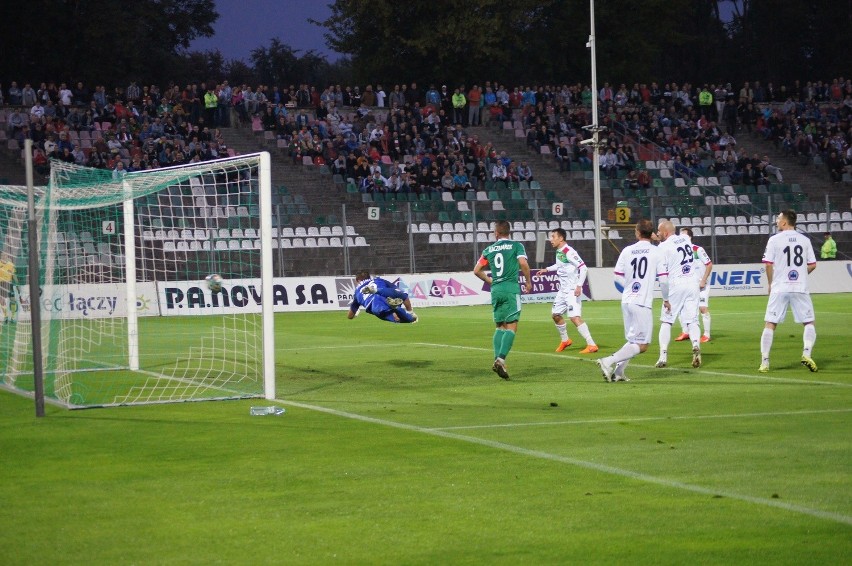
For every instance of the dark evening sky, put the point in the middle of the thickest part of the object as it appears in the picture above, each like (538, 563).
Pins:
(244, 25)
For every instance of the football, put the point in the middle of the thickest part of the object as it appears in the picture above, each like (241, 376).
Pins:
(214, 282)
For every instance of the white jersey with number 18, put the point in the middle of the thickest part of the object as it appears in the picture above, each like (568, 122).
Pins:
(790, 253)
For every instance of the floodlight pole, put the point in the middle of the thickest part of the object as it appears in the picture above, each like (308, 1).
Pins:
(35, 288)
(595, 129)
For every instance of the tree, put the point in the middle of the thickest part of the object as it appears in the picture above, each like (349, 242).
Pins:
(100, 41)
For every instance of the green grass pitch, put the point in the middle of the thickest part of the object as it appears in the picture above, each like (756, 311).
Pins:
(401, 446)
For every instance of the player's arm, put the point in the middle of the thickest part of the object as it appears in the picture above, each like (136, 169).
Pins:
(618, 271)
(582, 272)
(769, 268)
(544, 270)
(479, 270)
(708, 269)
(353, 309)
(811, 259)
(663, 278)
(525, 269)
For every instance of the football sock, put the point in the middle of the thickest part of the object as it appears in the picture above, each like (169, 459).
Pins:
(683, 328)
(694, 333)
(625, 353)
(809, 339)
(583, 329)
(498, 340)
(766, 343)
(506, 345)
(620, 367)
(705, 318)
(563, 331)
(665, 338)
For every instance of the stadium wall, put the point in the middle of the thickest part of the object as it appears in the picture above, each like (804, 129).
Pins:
(192, 298)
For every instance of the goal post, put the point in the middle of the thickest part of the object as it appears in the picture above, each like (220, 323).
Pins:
(127, 317)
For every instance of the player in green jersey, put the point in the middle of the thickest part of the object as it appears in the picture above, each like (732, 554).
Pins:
(504, 259)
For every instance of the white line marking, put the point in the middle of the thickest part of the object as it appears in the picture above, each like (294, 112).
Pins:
(827, 515)
(586, 359)
(669, 369)
(643, 419)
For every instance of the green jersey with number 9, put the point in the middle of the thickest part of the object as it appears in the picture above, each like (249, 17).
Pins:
(502, 258)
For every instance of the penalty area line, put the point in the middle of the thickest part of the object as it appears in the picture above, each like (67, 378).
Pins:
(669, 369)
(645, 419)
(520, 450)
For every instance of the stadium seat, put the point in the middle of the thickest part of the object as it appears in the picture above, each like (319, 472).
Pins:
(434, 238)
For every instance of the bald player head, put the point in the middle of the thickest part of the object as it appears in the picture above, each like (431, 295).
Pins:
(665, 229)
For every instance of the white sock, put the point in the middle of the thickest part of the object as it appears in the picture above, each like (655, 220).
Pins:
(705, 318)
(563, 332)
(809, 339)
(694, 334)
(583, 329)
(620, 367)
(626, 352)
(665, 338)
(766, 344)
(683, 329)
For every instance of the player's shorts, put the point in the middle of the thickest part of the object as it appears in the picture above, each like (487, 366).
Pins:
(638, 323)
(506, 304)
(684, 303)
(704, 297)
(800, 303)
(567, 303)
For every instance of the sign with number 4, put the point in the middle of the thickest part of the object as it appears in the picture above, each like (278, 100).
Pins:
(108, 227)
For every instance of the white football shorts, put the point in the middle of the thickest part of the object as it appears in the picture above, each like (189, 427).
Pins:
(800, 303)
(638, 323)
(684, 303)
(568, 305)
(704, 297)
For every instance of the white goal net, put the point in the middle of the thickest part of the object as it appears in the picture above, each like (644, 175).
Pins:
(127, 316)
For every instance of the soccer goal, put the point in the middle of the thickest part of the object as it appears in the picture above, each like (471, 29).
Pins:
(127, 316)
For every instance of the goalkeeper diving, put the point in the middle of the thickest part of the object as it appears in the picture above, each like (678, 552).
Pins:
(380, 298)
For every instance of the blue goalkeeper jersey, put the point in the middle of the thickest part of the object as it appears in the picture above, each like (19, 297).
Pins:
(373, 303)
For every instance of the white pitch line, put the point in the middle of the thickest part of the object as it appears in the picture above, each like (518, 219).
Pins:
(700, 371)
(643, 419)
(584, 359)
(827, 515)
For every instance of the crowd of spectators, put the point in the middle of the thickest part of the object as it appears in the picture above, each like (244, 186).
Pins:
(414, 140)
(128, 129)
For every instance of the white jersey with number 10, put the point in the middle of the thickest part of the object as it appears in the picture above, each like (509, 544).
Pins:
(639, 264)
